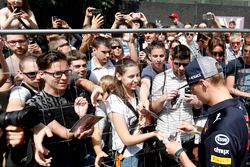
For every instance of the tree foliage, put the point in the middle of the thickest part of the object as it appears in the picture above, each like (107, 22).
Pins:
(70, 10)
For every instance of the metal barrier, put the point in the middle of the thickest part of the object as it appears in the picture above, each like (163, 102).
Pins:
(141, 30)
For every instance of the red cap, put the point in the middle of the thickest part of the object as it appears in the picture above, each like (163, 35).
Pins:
(174, 15)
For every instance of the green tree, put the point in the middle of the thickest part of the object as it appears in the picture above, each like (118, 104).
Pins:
(70, 10)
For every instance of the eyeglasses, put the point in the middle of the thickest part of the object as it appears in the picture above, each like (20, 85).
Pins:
(58, 74)
(116, 46)
(180, 64)
(31, 75)
(168, 41)
(189, 34)
(220, 54)
(235, 43)
(13, 43)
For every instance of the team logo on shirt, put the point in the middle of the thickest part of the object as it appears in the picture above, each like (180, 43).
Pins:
(221, 160)
(221, 151)
(221, 139)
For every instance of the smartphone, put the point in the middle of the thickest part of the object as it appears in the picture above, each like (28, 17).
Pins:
(97, 11)
(18, 9)
(188, 90)
(56, 18)
(32, 41)
(136, 15)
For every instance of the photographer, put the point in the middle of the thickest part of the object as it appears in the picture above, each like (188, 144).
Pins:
(17, 137)
(92, 22)
(17, 15)
(173, 104)
(127, 40)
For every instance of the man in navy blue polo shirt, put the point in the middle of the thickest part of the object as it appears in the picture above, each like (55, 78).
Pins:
(224, 137)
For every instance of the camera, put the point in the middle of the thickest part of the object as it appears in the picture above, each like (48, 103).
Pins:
(207, 17)
(26, 118)
(56, 18)
(141, 40)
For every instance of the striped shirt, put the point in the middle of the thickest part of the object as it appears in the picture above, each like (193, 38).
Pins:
(172, 115)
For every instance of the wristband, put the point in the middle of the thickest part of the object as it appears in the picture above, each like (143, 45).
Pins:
(178, 153)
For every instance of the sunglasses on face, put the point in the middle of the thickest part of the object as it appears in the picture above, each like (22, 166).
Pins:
(235, 43)
(30, 75)
(58, 74)
(220, 54)
(168, 41)
(246, 51)
(116, 46)
(180, 64)
(189, 34)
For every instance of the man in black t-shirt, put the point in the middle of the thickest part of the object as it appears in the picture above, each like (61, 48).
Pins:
(59, 108)
(225, 135)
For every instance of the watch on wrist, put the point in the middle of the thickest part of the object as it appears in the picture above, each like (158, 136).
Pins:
(178, 153)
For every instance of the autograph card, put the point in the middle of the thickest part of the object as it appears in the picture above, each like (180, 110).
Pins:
(87, 121)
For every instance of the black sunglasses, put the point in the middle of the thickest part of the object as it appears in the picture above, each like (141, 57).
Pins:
(30, 74)
(191, 34)
(180, 64)
(220, 54)
(116, 46)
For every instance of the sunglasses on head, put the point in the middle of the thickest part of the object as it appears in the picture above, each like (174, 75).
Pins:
(189, 34)
(116, 46)
(220, 54)
(30, 74)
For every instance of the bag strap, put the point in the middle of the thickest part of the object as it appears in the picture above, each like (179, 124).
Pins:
(129, 105)
(164, 82)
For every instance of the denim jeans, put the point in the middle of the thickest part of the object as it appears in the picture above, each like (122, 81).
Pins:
(132, 161)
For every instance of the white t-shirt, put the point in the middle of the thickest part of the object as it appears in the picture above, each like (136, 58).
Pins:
(20, 92)
(115, 104)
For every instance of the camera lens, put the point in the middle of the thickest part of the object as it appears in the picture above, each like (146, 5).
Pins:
(26, 118)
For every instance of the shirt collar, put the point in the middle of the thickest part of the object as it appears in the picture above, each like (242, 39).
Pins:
(98, 66)
(221, 105)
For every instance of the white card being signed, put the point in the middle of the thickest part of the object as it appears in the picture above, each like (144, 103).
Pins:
(87, 121)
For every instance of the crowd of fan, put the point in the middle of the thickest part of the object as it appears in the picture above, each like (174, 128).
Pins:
(68, 76)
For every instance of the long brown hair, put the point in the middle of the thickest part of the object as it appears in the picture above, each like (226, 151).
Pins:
(121, 67)
(25, 7)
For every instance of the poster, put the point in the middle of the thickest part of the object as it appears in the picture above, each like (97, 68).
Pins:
(224, 20)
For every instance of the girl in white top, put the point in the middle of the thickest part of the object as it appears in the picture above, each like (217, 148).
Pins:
(17, 11)
(123, 119)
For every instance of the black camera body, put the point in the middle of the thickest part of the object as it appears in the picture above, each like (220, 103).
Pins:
(26, 118)
(141, 40)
